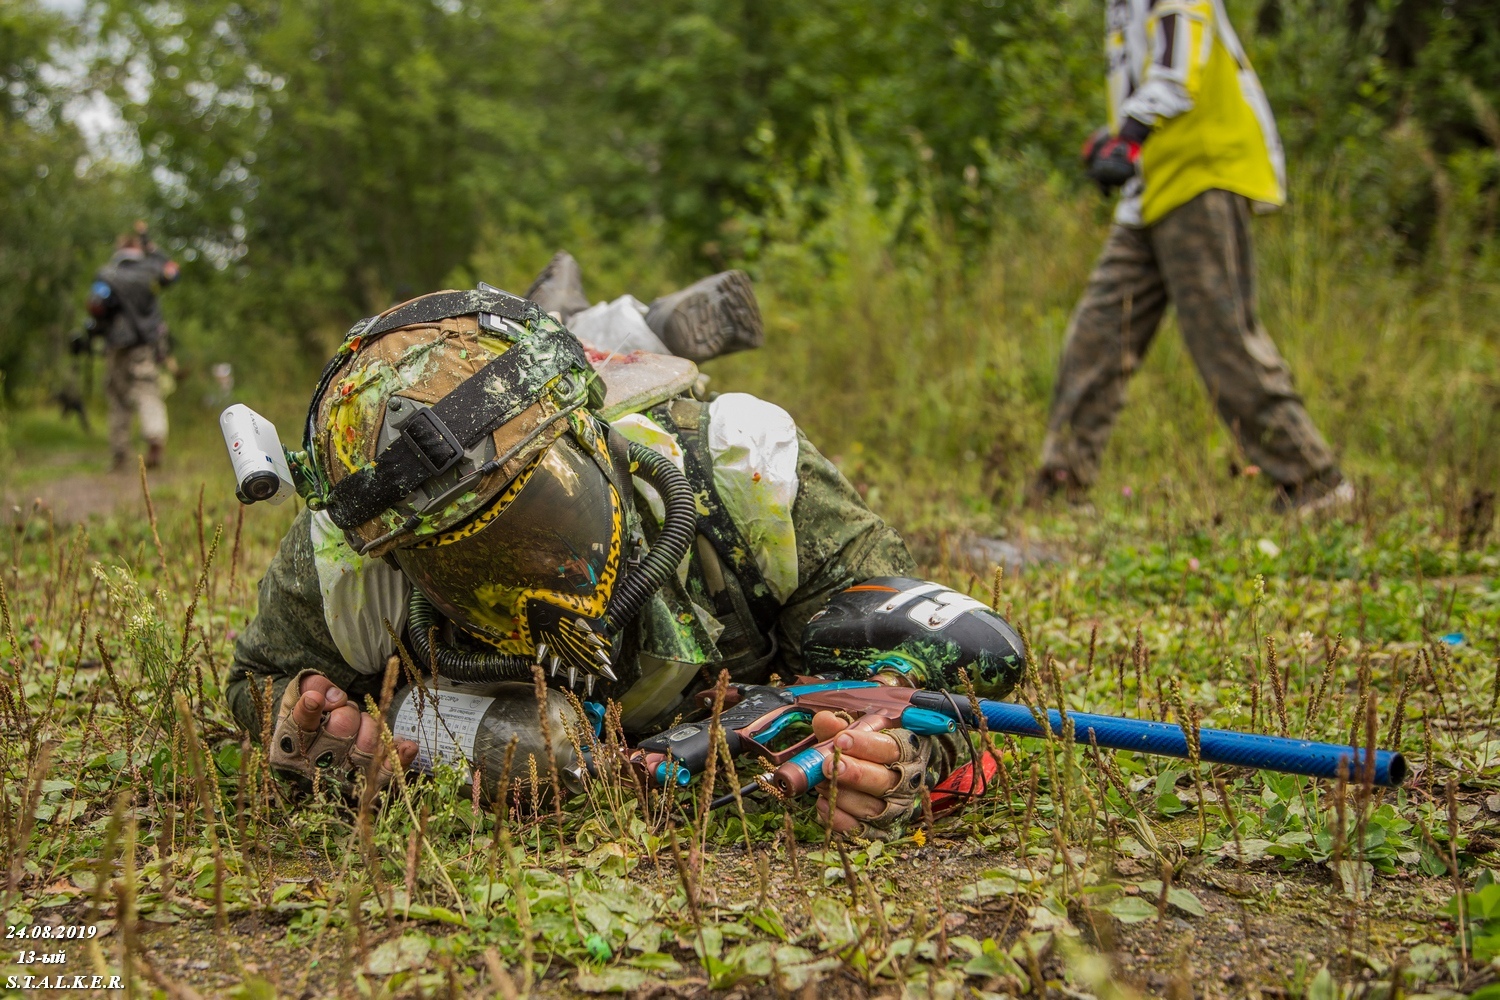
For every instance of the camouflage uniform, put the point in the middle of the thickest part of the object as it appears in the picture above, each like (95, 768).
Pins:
(839, 542)
(132, 384)
(1199, 257)
(135, 344)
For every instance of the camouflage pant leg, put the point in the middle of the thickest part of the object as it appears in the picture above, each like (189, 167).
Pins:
(1109, 333)
(132, 388)
(1206, 257)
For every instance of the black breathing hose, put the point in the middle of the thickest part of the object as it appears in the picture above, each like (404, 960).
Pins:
(679, 527)
(458, 664)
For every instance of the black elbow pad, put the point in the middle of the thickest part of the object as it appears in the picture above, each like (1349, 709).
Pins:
(923, 630)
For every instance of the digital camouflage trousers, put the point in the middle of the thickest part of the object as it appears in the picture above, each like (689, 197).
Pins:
(133, 389)
(1199, 258)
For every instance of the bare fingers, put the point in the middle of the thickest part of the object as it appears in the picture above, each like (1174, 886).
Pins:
(319, 695)
(853, 809)
(369, 738)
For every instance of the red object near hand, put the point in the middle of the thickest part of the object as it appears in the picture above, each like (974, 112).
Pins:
(1111, 160)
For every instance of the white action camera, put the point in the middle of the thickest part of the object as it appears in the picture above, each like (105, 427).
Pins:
(260, 470)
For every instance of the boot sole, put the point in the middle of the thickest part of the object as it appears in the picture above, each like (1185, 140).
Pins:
(714, 317)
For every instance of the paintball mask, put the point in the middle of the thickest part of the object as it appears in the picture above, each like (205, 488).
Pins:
(454, 435)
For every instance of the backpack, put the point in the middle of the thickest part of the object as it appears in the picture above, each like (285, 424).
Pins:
(102, 302)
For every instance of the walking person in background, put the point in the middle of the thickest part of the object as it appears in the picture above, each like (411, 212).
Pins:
(123, 303)
(1193, 147)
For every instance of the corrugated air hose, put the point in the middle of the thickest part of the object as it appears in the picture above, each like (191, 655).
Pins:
(458, 664)
(678, 528)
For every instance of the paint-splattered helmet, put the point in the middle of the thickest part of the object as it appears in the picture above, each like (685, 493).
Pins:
(454, 435)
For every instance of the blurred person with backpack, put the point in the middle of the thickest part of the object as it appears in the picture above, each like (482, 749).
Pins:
(1193, 149)
(127, 315)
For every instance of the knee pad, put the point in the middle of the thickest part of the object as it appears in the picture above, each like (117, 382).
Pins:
(921, 630)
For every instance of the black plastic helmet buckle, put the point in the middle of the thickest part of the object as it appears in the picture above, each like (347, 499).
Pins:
(434, 444)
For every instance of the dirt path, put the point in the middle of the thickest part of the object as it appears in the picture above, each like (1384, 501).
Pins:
(77, 497)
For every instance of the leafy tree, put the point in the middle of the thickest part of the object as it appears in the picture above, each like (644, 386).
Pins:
(54, 223)
(672, 108)
(331, 153)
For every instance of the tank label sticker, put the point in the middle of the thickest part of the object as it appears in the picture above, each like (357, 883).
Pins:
(443, 724)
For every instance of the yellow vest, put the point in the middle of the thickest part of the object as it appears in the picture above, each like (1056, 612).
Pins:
(1215, 129)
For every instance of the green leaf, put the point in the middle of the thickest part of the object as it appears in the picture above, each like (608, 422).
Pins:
(769, 920)
(1323, 987)
(1486, 902)
(1356, 878)
(615, 979)
(1185, 901)
(1130, 909)
(1486, 946)
(406, 952)
(254, 988)
(479, 892)
(438, 914)
(1247, 850)
(646, 938)
(987, 888)
(993, 963)
(831, 920)
(709, 943)
(655, 961)
(795, 966)
(1292, 852)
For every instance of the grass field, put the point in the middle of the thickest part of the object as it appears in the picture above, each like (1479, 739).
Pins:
(131, 805)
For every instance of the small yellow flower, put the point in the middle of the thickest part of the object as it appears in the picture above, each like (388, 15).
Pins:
(919, 837)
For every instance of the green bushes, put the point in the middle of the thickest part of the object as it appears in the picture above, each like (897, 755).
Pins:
(898, 177)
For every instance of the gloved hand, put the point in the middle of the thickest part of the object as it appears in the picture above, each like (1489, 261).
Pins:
(1111, 159)
(880, 777)
(317, 729)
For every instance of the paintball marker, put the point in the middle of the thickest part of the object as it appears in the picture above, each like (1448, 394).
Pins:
(754, 716)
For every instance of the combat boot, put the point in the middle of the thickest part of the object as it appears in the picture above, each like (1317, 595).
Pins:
(715, 316)
(1328, 490)
(1049, 484)
(559, 288)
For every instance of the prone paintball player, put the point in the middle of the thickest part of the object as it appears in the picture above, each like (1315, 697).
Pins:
(1192, 146)
(123, 304)
(476, 488)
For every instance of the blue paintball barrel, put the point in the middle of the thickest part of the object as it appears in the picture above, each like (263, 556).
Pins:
(1216, 746)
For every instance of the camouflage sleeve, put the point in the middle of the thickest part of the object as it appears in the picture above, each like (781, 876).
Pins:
(948, 754)
(840, 542)
(287, 635)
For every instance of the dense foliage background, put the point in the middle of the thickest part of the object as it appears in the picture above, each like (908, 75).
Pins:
(900, 178)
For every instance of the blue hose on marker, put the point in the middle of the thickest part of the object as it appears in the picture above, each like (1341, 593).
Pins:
(1216, 746)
